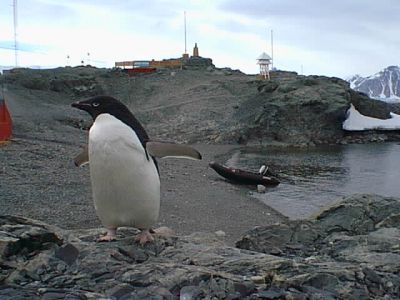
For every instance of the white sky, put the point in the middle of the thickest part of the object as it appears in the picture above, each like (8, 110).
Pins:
(334, 38)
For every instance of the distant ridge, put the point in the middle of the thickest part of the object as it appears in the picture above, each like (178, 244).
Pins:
(2, 68)
(384, 85)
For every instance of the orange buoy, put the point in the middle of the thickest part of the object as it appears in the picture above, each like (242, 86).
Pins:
(5, 122)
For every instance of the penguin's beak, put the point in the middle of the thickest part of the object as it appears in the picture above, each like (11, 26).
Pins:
(81, 105)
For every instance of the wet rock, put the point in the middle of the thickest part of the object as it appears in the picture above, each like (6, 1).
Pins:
(351, 249)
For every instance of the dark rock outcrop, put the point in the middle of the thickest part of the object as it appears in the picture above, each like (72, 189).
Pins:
(295, 110)
(77, 82)
(198, 62)
(370, 107)
(355, 243)
(350, 251)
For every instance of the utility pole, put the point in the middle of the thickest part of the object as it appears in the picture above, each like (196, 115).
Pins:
(15, 32)
(184, 23)
(272, 50)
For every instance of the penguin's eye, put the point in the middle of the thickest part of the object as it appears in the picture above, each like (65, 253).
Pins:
(95, 104)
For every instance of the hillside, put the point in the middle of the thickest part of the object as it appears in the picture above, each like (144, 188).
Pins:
(205, 105)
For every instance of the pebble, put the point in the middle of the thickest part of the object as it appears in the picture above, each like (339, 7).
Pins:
(261, 188)
(258, 279)
(220, 233)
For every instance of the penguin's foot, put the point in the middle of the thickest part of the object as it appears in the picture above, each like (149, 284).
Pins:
(144, 237)
(110, 236)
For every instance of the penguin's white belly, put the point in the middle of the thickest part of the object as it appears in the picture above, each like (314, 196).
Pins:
(125, 184)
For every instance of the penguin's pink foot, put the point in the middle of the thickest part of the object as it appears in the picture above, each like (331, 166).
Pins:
(110, 236)
(144, 237)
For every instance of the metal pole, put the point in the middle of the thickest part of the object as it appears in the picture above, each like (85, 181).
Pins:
(272, 49)
(184, 21)
(15, 33)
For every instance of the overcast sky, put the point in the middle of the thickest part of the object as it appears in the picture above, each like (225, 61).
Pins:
(334, 38)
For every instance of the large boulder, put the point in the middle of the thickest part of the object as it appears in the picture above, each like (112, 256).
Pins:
(370, 107)
(295, 110)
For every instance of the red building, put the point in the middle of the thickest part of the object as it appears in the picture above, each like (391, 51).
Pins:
(5, 122)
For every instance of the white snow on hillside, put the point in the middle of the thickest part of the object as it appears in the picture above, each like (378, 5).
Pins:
(358, 122)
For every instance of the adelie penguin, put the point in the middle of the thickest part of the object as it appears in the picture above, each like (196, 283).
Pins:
(123, 169)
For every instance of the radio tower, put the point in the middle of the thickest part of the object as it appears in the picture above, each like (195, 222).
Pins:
(272, 50)
(184, 24)
(15, 32)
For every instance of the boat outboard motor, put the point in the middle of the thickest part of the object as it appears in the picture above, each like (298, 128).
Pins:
(263, 170)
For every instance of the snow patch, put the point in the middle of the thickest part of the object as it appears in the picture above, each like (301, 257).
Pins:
(355, 121)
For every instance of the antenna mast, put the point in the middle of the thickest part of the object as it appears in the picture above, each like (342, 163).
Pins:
(272, 50)
(15, 32)
(184, 23)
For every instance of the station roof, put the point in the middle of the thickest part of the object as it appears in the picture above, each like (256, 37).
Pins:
(264, 56)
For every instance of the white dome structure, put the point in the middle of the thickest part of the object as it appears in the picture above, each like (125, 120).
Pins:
(264, 57)
(264, 60)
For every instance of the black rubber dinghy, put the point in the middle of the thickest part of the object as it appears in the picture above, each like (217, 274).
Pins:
(243, 177)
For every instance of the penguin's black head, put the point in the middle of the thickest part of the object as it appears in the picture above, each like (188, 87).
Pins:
(108, 105)
(101, 104)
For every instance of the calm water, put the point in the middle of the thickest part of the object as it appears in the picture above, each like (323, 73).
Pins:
(314, 178)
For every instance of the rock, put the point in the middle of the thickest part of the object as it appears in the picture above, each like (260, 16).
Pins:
(295, 110)
(371, 107)
(68, 253)
(24, 236)
(261, 188)
(220, 233)
(258, 279)
(348, 251)
(198, 62)
(358, 235)
(190, 292)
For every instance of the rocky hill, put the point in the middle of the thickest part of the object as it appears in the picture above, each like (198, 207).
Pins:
(206, 105)
(384, 85)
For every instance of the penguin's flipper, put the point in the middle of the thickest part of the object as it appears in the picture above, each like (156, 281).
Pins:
(161, 150)
(82, 158)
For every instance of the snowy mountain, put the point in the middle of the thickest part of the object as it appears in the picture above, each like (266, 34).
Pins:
(384, 85)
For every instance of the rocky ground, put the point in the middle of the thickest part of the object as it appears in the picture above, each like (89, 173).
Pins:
(349, 251)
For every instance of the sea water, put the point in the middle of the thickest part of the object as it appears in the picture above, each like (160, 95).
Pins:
(314, 178)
